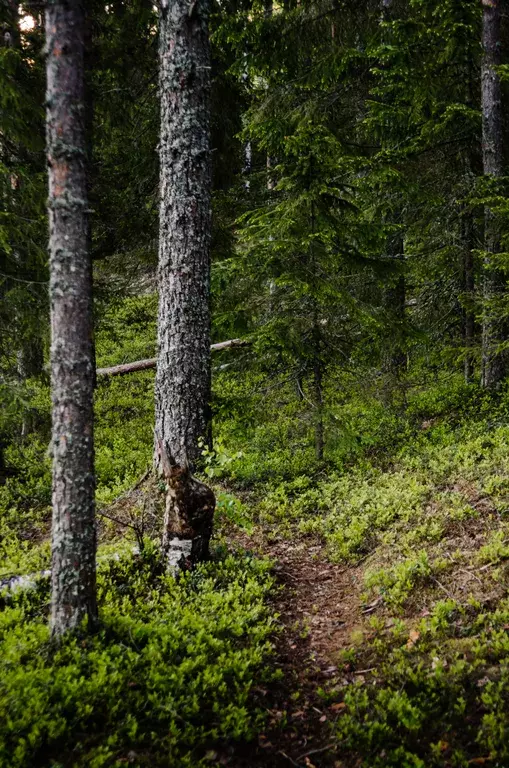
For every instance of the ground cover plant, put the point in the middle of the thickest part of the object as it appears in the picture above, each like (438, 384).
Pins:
(416, 513)
(166, 679)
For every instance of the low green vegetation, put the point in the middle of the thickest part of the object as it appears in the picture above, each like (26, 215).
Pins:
(414, 498)
(434, 695)
(165, 680)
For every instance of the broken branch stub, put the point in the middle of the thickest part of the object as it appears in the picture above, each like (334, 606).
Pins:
(188, 517)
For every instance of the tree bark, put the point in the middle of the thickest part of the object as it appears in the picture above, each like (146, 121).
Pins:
(183, 362)
(72, 371)
(395, 299)
(182, 389)
(188, 517)
(494, 330)
(469, 291)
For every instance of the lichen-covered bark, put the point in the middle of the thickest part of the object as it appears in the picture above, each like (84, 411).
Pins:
(494, 330)
(72, 366)
(183, 366)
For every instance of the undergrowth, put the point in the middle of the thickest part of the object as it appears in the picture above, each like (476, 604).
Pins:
(435, 695)
(415, 497)
(165, 680)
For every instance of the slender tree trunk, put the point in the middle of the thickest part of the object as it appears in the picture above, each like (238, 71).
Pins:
(468, 291)
(183, 364)
(72, 367)
(395, 301)
(493, 362)
(318, 394)
(268, 10)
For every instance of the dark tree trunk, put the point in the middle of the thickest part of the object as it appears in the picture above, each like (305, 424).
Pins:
(72, 367)
(268, 11)
(493, 362)
(468, 292)
(182, 389)
(395, 299)
(183, 363)
(318, 397)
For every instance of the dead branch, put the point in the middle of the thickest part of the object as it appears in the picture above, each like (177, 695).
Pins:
(143, 365)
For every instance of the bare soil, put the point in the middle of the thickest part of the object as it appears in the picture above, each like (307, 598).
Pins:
(319, 607)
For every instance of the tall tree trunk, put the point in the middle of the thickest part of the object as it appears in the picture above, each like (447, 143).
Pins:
(318, 393)
(268, 11)
(182, 389)
(183, 365)
(72, 367)
(468, 292)
(395, 299)
(493, 362)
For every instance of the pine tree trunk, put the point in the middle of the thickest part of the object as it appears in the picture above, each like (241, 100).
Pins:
(493, 363)
(468, 290)
(72, 367)
(183, 365)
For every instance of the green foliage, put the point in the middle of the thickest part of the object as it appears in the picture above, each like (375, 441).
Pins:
(19, 557)
(437, 695)
(230, 510)
(397, 583)
(166, 677)
(496, 548)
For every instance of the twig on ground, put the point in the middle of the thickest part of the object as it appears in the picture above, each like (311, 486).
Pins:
(442, 587)
(289, 758)
(316, 751)
(469, 573)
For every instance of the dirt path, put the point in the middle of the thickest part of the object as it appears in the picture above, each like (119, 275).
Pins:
(319, 607)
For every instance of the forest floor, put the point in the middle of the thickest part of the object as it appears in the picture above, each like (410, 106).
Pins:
(325, 646)
(319, 606)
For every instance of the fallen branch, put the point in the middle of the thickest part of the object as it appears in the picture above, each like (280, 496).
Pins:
(143, 365)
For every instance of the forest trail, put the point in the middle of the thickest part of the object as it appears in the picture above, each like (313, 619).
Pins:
(319, 607)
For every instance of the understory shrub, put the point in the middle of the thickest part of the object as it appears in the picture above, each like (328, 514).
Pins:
(436, 695)
(166, 677)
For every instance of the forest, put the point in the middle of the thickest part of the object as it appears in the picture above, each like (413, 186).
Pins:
(254, 383)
